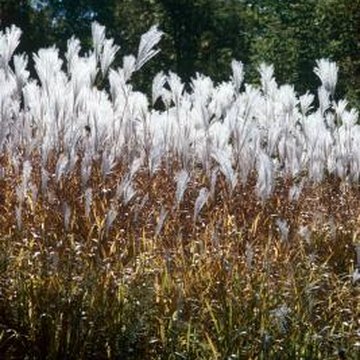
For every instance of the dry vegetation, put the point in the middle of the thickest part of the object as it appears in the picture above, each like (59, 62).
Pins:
(229, 285)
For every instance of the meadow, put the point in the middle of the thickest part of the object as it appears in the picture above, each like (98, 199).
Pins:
(206, 221)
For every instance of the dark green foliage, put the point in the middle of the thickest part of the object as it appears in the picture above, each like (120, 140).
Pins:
(204, 35)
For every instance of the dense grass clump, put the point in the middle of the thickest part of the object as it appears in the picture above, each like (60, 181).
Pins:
(223, 225)
(245, 280)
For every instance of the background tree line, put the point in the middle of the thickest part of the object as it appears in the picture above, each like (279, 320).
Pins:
(204, 35)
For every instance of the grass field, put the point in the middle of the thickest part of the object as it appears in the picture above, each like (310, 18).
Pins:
(221, 222)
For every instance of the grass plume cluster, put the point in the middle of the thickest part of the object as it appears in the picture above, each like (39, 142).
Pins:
(223, 226)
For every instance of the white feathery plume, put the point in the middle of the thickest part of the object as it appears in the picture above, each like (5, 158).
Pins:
(107, 162)
(22, 75)
(265, 181)
(32, 99)
(22, 188)
(146, 49)
(248, 101)
(274, 136)
(355, 159)
(176, 87)
(222, 99)
(86, 169)
(331, 121)
(67, 215)
(47, 64)
(221, 122)
(295, 158)
(237, 74)
(128, 193)
(26, 174)
(157, 86)
(9, 41)
(350, 118)
(288, 98)
(15, 163)
(340, 107)
(137, 106)
(202, 90)
(83, 75)
(267, 78)
(327, 72)
(305, 102)
(119, 91)
(266, 72)
(98, 37)
(135, 166)
(224, 161)
(324, 99)
(61, 167)
(18, 216)
(108, 55)
(154, 160)
(73, 159)
(129, 66)
(88, 201)
(20, 193)
(72, 53)
(166, 97)
(125, 190)
(317, 167)
(200, 201)
(219, 134)
(182, 179)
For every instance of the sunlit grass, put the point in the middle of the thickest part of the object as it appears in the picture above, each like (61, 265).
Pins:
(221, 222)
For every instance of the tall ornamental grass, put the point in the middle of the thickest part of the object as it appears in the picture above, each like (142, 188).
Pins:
(207, 221)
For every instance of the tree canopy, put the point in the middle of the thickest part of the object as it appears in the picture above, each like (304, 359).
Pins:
(204, 35)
